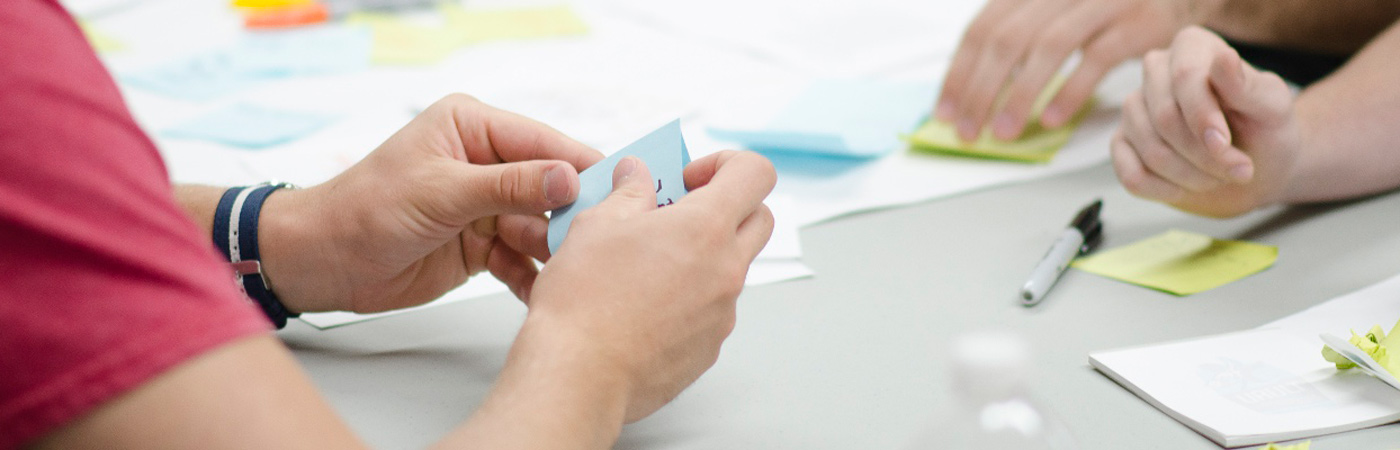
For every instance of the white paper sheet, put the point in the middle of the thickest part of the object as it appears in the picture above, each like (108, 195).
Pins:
(1270, 383)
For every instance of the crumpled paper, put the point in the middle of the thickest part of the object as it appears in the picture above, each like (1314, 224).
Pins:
(1376, 343)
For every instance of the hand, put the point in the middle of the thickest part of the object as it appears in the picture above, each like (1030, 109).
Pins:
(1018, 46)
(651, 292)
(460, 189)
(1207, 133)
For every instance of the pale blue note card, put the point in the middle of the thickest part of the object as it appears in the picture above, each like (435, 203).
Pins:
(255, 59)
(856, 119)
(250, 126)
(665, 155)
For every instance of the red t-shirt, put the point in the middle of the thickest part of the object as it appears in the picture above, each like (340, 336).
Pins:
(104, 282)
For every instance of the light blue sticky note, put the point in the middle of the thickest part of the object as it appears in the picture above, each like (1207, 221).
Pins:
(255, 59)
(665, 155)
(841, 118)
(249, 126)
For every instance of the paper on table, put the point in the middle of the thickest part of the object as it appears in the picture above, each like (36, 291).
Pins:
(479, 25)
(664, 153)
(760, 273)
(785, 242)
(841, 118)
(249, 126)
(1181, 262)
(256, 59)
(1037, 144)
(1266, 384)
(399, 42)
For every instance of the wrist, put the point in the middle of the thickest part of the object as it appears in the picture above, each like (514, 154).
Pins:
(558, 390)
(291, 241)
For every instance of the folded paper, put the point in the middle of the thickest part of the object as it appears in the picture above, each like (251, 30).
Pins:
(664, 153)
(1181, 262)
(1376, 343)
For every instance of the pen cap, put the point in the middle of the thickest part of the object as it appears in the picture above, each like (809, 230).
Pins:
(989, 365)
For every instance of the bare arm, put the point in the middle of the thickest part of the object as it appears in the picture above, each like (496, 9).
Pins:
(1336, 27)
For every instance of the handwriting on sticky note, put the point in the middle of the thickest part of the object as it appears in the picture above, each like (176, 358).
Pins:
(1181, 262)
(1037, 144)
(664, 153)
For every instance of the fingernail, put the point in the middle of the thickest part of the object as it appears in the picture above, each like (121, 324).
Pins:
(624, 169)
(944, 111)
(556, 185)
(1004, 127)
(1242, 172)
(967, 129)
(1053, 116)
(1216, 140)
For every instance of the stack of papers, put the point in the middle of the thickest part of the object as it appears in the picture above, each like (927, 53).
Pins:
(1266, 384)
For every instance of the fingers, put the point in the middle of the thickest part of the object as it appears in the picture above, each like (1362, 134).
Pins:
(530, 187)
(1141, 132)
(528, 235)
(1136, 178)
(1203, 135)
(730, 183)
(754, 232)
(516, 270)
(970, 49)
(1000, 55)
(633, 191)
(1102, 54)
(491, 135)
(1260, 96)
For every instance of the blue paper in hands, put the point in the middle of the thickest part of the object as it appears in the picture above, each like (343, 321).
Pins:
(664, 153)
(855, 119)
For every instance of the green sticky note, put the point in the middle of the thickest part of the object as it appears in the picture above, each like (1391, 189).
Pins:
(1036, 145)
(1376, 343)
(1181, 262)
(1299, 446)
(102, 42)
(479, 25)
(399, 42)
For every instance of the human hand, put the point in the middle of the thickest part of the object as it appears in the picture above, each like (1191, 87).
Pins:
(1207, 133)
(650, 292)
(1014, 48)
(459, 190)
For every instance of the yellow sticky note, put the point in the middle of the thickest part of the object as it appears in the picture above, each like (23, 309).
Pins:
(514, 23)
(1299, 446)
(398, 42)
(1181, 262)
(102, 42)
(1036, 145)
(1376, 343)
(267, 3)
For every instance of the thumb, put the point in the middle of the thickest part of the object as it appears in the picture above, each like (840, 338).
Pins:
(528, 187)
(633, 190)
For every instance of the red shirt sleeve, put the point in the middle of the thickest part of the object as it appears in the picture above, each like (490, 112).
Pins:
(104, 282)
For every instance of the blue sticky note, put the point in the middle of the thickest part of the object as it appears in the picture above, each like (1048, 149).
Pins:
(256, 59)
(665, 155)
(249, 126)
(856, 119)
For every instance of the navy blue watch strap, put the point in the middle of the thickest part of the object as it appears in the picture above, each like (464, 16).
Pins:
(236, 235)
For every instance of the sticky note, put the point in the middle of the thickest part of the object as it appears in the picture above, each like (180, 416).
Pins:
(1181, 262)
(1299, 446)
(664, 153)
(101, 41)
(1037, 144)
(249, 126)
(257, 59)
(479, 25)
(1376, 343)
(399, 42)
(842, 119)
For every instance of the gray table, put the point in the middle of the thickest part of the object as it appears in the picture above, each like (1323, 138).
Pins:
(851, 359)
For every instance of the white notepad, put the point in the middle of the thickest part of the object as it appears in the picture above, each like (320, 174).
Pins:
(1270, 383)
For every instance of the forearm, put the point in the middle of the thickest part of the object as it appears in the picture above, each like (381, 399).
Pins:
(1347, 124)
(1325, 27)
(554, 393)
